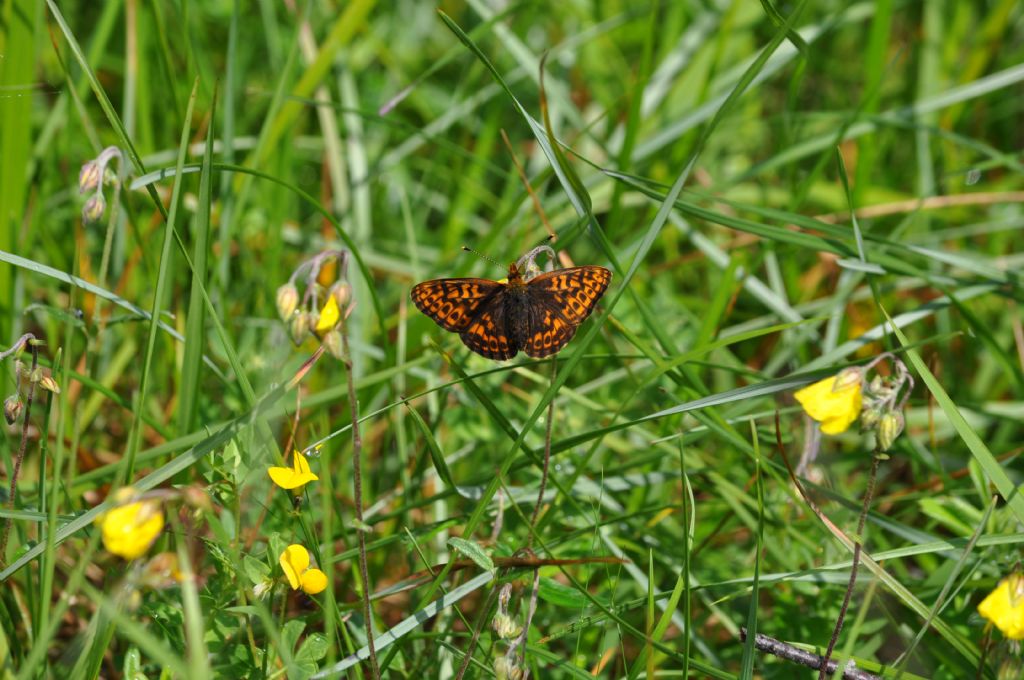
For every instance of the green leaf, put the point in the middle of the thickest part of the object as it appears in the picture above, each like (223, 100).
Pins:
(473, 551)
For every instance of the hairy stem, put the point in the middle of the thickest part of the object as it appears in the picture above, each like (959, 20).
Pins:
(786, 651)
(868, 493)
(357, 482)
(547, 463)
(21, 450)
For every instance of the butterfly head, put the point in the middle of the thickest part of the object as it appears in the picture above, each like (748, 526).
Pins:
(515, 277)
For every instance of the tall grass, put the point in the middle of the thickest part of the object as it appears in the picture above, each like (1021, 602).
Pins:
(781, 191)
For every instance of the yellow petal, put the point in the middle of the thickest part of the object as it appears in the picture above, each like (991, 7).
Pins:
(283, 477)
(129, 530)
(314, 581)
(294, 560)
(294, 477)
(300, 464)
(833, 402)
(1004, 607)
(329, 315)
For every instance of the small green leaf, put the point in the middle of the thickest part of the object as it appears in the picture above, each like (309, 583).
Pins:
(473, 551)
(291, 633)
(561, 595)
(256, 570)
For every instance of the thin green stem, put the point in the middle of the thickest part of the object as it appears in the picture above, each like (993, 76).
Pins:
(858, 542)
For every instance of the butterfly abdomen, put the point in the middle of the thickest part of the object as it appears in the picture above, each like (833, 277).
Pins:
(519, 306)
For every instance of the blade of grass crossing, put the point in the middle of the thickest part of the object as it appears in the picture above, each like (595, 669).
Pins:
(156, 309)
(17, 67)
(195, 326)
(1004, 485)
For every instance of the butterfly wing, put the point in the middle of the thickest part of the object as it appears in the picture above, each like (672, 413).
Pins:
(453, 303)
(559, 302)
(488, 333)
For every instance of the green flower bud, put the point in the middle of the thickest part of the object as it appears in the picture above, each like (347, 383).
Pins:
(342, 293)
(299, 327)
(847, 377)
(49, 384)
(504, 669)
(505, 626)
(332, 341)
(1010, 669)
(287, 300)
(869, 417)
(889, 427)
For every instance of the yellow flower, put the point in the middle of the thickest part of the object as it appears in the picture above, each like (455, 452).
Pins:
(834, 402)
(1004, 606)
(295, 564)
(295, 477)
(129, 530)
(330, 314)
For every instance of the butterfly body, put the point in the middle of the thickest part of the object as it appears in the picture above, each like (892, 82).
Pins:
(498, 319)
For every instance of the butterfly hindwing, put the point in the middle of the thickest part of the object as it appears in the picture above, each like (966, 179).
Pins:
(453, 303)
(574, 292)
(487, 334)
(549, 330)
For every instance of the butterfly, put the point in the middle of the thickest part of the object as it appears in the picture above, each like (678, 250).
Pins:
(497, 319)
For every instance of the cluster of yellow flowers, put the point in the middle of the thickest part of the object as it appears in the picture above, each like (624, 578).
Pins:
(305, 314)
(130, 528)
(839, 400)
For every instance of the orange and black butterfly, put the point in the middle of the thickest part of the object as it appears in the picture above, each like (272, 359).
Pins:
(496, 319)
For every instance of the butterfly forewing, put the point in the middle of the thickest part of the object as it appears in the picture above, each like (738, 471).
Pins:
(574, 292)
(453, 303)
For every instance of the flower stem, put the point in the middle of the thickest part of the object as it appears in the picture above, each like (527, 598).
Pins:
(21, 446)
(357, 482)
(547, 462)
(868, 493)
(788, 652)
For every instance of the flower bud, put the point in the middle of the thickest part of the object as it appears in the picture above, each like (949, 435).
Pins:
(889, 427)
(49, 384)
(12, 408)
(847, 377)
(332, 341)
(299, 327)
(869, 417)
(287, 300)
(505, 626)
(1010, 669)
(342, 293)
(506, 669)
(196, 497)
(93, 209)
(89, 177)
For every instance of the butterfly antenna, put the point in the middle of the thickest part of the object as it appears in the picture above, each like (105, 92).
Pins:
(484, 257)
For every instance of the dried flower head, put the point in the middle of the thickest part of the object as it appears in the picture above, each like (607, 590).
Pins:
(13, 406)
